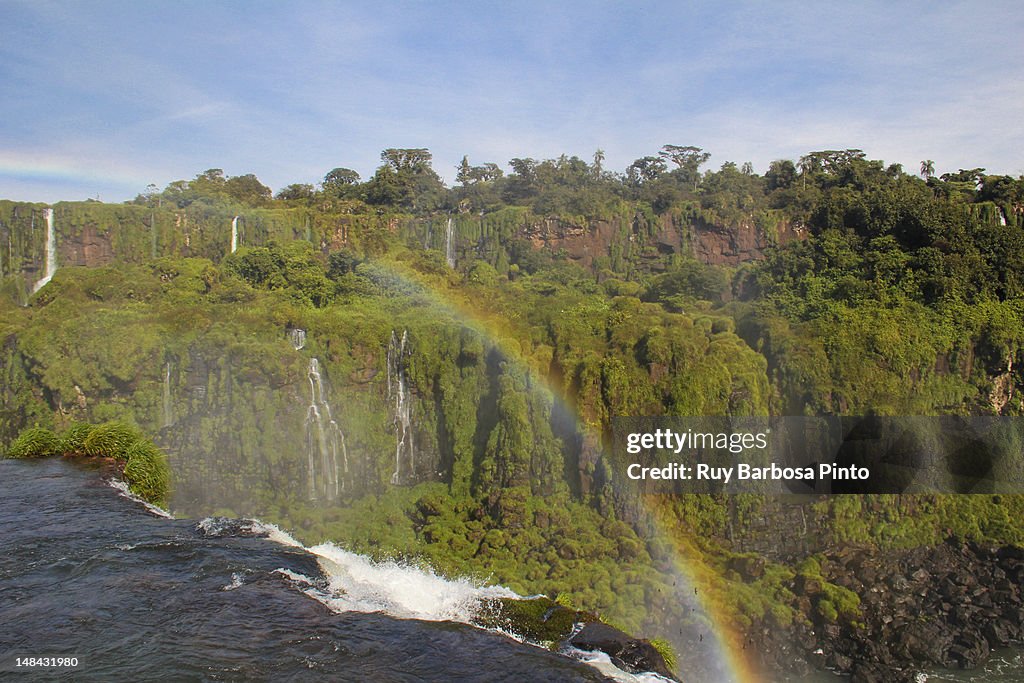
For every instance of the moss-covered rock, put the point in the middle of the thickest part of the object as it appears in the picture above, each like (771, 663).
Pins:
(538, 620)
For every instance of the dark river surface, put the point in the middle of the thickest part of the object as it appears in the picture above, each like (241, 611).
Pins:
(90, 574)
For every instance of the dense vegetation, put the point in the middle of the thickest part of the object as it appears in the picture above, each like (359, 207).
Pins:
(143, 465)
(878, 291)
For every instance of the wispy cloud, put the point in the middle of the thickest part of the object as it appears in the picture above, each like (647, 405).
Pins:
(290, 92)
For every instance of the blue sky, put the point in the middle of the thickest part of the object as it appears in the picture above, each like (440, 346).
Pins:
(101, 99)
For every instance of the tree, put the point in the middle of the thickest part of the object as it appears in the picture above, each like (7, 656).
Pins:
(972, 176)
(464, 174)
(407, 159)
(598, 163)
(470, 175)
(247, 189)
(339, 181)
(927, 168)
(645, 169)
(687, 160)
(296, 191)
(406, 179)
(209, 184)
(522, 183)
(781, 174)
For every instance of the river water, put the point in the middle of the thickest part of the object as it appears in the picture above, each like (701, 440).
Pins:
(89, 574)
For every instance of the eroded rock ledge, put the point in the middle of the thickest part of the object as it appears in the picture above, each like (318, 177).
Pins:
(941, 607)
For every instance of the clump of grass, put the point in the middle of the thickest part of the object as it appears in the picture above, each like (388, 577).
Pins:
(73, 438)
(666, 651)
(111, 439)
(147, 472)
(35, 442)
(145, 466)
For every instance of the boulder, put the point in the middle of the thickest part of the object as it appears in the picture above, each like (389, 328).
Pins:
(628, 653)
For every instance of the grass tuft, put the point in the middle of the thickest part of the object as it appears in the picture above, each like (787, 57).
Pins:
(72, 441)
(111, 439)
(35, 442)
(147, 472)
(666, 651)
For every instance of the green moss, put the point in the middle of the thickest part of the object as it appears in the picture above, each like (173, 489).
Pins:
(844, 600)
(539, 620)
(827, 610)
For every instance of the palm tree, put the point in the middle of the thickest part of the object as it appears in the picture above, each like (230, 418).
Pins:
(598, 161)
(927, 168)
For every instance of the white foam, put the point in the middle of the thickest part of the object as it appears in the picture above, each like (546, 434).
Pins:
(236, 582)
(216, 526)
(403, 590)
(122, 488)
(603, 663)
(274, 533)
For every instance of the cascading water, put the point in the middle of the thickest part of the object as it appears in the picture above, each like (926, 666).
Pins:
(398, 390)
(297, 337)
(51, 251)
(234, 234)
(153, 235)
(168, 405)
(449, 246)
(324, 440)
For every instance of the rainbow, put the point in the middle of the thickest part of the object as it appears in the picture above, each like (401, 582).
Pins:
(724, 646)
(24, 167)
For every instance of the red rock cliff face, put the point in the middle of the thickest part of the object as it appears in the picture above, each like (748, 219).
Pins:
(708, 243)
(90, 248)
(581, 243)
(720, 245)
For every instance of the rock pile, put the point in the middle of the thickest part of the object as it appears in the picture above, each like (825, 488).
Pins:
(941, 607)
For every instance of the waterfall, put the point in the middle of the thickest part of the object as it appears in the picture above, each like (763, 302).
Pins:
(297, 338)
(168, 408)
(449, 248)
(324, 440)
(398, 390)
(51, 251)
(234, 234)
(152, 230)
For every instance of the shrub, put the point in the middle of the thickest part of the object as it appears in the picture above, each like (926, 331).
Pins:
(35, 442)
(111, 439)
(72, 441)
(147, 472)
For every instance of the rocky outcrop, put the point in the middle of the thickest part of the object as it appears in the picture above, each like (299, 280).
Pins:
(709, 243)
(579, 243)
(89, 248)
(943, 607)
(721, 245)
(627, 653)
(541, 620)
